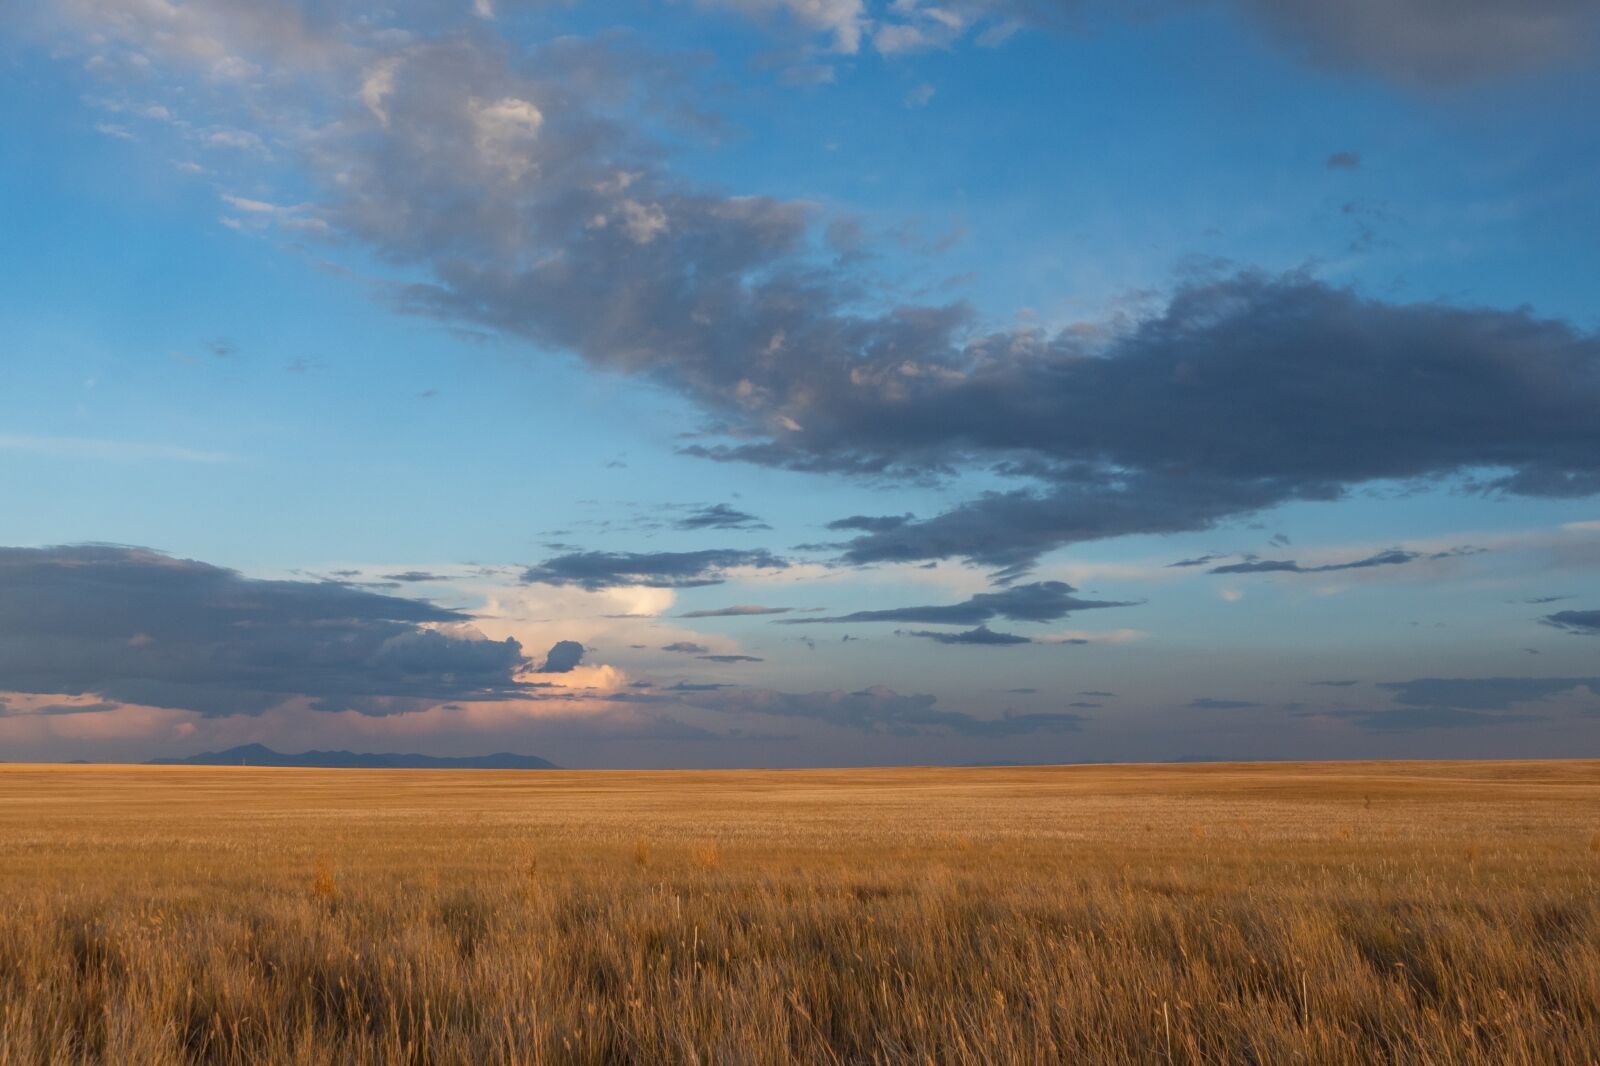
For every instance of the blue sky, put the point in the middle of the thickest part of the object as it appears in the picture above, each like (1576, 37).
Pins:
(583, 318)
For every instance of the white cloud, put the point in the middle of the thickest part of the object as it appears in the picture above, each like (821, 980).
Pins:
(504, 131)
(240, 203)
(377, 85)
(1092, 636)
(243, 140)
(644, 222)
(901, 37)
(845, 20)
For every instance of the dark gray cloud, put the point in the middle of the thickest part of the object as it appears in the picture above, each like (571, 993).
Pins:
(1041, 601)
(871, 523)
(980, 635)
(1393, 557)
(1484, 693)
(563, 658)
(1198, 560)
(413, 576)
(720, 516)
(1207, 704)
(737, 611)
(687, 647)
(1587, 622)
(1456, 702)
(1344, 161)
(1421, 44)
(66, 708)
(595, 570)
(1333, 684)
(136, 626)
(1199, 414)
(1098, 693)
(883, 710)
(732, 658)
(1428, 43)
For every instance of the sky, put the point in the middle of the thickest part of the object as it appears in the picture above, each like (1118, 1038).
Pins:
(800, 382)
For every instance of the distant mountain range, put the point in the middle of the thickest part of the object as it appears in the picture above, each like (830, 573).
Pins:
(261, 755)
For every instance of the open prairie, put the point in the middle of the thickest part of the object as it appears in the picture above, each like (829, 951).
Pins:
(1401, 912)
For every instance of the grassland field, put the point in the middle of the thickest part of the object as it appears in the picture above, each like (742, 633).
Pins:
(1265, 913)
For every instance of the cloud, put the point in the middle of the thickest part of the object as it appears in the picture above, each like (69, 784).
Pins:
(1393, 557)
(981, 635)
(594, 570)
(739, 610)
(98, 707)
(133, 625)
(721, 516)
(565, 231)
(843, 20)
(1413, 718)
(1430, 43)
(1484, 693)
(871, 523)
(1343, 161)
(732, 658)
(1207, 704)
(1041, 601)
(687, 647)
(1198, 414)
(1456, 702)
(413, 576)
(882, 710)
(1426, 44)
(1587, 622)
(563, 658)
(1198, 560)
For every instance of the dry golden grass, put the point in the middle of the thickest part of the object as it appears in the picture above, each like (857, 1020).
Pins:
(1409, 912)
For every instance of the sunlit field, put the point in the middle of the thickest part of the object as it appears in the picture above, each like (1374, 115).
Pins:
(1405, 912)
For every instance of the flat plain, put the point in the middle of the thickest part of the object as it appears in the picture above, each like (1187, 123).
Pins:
(1271, 913)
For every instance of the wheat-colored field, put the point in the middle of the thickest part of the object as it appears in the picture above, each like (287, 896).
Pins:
(1402, 912)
